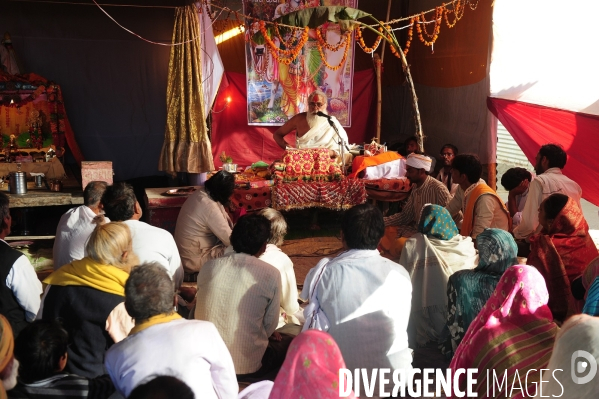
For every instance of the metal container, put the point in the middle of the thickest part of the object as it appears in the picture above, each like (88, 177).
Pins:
(38, 180)
(18, 182)
(230, 167)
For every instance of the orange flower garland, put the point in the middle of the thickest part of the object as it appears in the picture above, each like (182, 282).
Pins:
(288, 55)
(458, 12)
(322, 41)
(345, 52)
(287, 43)
(420, 20)
(361, 43)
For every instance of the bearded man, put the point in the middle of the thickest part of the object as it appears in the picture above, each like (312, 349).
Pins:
(313, 131)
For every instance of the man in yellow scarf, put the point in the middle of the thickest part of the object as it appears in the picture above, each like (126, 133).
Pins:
(480, 204)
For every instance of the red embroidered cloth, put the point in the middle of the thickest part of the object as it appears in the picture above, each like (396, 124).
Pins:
(334, 195)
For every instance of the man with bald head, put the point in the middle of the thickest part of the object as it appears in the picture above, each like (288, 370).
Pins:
(311, 130)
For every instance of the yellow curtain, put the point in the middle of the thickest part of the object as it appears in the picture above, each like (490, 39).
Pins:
(186, 145)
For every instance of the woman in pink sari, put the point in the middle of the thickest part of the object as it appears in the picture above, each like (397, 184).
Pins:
(310, 370)
(514, 332)
(561, 252)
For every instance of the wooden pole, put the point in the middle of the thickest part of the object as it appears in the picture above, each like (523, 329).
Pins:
(386, 20)
(379, 95)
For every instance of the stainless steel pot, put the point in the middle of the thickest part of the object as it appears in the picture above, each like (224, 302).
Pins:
(18, 182)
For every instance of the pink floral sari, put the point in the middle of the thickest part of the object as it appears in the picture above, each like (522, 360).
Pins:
(311, 368)
(514, 332)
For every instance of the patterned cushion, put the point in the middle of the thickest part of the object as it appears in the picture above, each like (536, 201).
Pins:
(313, 164)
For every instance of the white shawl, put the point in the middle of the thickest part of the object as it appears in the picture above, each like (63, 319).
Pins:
(430, 262)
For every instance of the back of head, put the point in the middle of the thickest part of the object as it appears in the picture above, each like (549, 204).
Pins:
(220, 186)
(92, 195)
(554, 204)
(119, 202)
(149, 291)
(555, 154)
(250, 233)
(577, 342)
(513, 177)
(363, 227)
(469, 165)
(39, 348)
(162, 387)
(278, 225)
(107, 243)
(497, 251)
(4, 210)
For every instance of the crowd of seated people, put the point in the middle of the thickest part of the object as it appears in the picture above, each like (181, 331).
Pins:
(106, 322)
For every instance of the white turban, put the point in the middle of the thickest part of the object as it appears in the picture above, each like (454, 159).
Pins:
(419, 162)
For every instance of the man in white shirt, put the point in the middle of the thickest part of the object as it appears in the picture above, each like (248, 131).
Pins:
(363, 298)
(277, 258)
(150, 243)
(162, 343)
(481, 206)
(75, 226)
(550, 160)
(20, 289)
(240, 294)
(516, 181)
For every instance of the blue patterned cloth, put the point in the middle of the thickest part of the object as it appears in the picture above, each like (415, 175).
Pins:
(435, 221)
(469, 290)
(591, 306)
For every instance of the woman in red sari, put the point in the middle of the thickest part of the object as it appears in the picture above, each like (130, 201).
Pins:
(561, 251)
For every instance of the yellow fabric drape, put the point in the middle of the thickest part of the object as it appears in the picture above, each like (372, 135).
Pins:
(89, 273)
(186, 145)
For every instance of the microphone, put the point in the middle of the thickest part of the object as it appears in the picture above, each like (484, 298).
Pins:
(320, 113)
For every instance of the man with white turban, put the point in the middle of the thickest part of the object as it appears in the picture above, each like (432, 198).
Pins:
(425, 190)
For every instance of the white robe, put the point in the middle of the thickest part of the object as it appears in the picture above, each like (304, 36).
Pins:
(322, 135)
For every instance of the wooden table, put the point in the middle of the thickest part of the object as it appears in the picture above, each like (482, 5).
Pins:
(163, 210)
(37, 198)
(43, 197)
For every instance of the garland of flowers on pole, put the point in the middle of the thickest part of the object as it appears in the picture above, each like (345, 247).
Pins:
(294, 44)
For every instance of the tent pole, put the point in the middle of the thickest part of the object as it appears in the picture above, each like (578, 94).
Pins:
(386, 20)
(379, 97)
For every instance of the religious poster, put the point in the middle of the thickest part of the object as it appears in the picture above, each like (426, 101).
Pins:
(277, 86)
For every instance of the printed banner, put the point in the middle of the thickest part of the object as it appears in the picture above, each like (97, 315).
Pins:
(276, 91)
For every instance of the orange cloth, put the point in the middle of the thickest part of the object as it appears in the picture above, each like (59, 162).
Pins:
(390, 245)
(468, 221)
(7, 344)
(361, 162)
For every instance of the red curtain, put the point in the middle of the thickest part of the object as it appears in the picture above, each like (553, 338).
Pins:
(248, 144)
(534, 125)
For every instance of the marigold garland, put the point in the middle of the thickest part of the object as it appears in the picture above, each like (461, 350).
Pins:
(458, 11)
(285, 56)
(332, 47)
(360, 39)
(345, 52)
(420, 20)
(291, 52)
